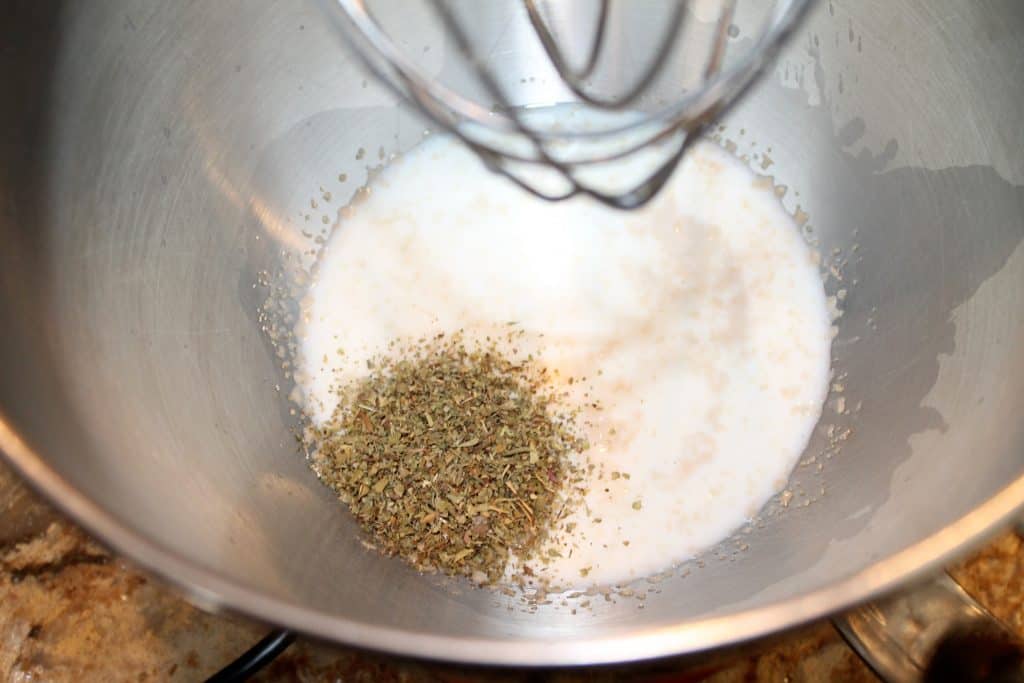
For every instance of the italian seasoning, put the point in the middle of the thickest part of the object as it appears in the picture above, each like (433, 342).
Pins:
(454, 458)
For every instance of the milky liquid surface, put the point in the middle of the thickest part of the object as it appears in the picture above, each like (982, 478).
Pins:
(700, 323)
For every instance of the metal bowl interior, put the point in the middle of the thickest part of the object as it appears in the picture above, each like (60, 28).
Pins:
(158, 157)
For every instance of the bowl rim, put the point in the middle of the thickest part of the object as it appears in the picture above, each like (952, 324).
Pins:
(215, 592)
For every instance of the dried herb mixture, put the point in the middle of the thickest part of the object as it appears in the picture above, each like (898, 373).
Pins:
(453, 456)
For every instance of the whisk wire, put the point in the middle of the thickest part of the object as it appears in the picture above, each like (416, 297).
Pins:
(575, 81)
(547, 39)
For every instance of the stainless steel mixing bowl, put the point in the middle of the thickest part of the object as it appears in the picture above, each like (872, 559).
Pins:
(156, 157)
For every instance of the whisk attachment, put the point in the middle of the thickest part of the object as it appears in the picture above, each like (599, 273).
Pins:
(650, 118)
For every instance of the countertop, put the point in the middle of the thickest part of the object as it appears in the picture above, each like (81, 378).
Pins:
(71, 611)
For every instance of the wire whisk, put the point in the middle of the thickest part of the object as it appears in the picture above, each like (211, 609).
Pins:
(656, 112)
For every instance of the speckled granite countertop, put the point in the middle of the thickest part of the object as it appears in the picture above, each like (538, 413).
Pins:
(69, 611)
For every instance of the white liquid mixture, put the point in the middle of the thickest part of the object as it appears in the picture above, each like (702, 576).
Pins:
(699, 322)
